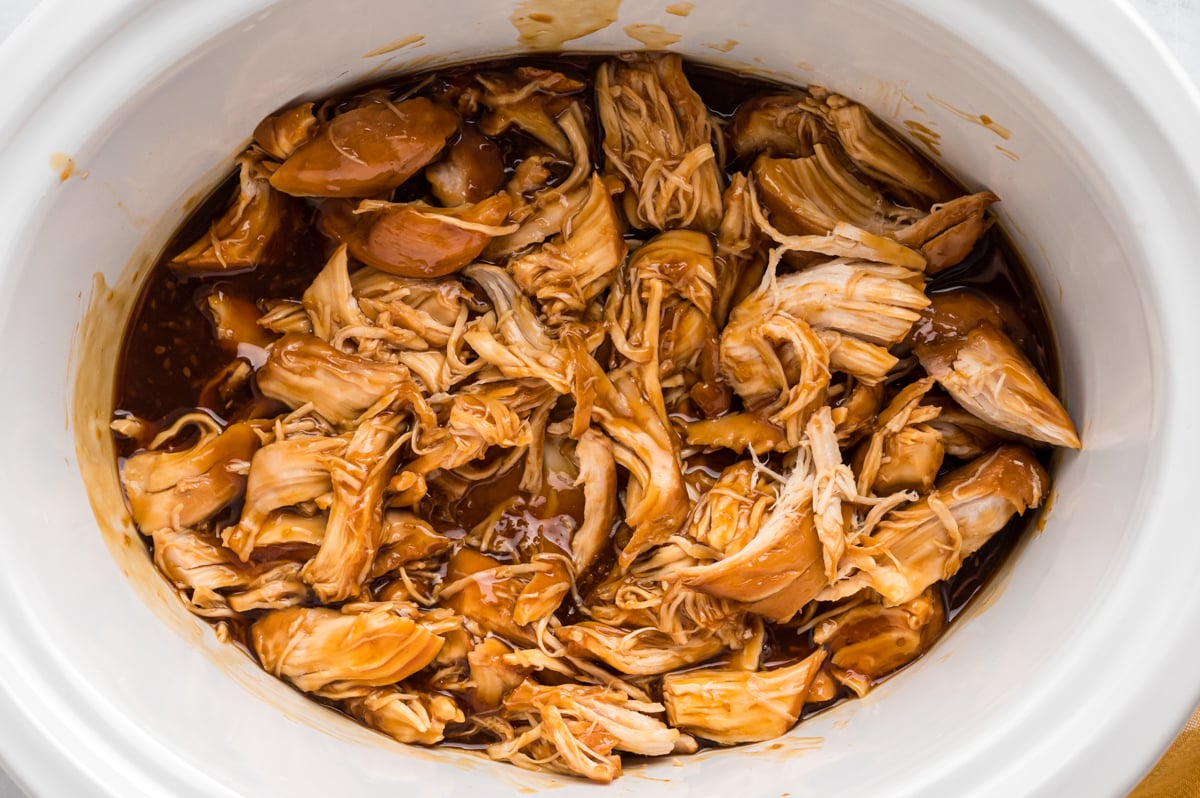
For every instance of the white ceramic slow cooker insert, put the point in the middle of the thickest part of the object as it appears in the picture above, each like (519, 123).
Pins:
(1068, 677)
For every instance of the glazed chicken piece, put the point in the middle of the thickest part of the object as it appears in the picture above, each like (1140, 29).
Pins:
(855, 409)
(771, 352)
(880, 154)
(247, 234)
(727, 517)
(641, 652)
(289, 527)
(741, 432)
(813, 194)
(598, 477)
(537, 191)
(406, 716)
(429, 308)
(353, 531)
(658, 139)
(184, 488)
(774, 361)
(652, 597)
(303, 370)
(778, 125)
(575, 128)
(656, 502)
(543, 218)
(511, 337)
(281, 134)
(276, 587)
(282, 474)
(927, 541)
(985, 372)
(494, 415)
(217, 584)
(541, 598)
(575, 729)
(531, 175)
(390, 319)
(782, 567)
(739, 259)
(283, 316)
(367, 150)
(471, 171)
(571, 269)
(492, 678)
(415, 239)
(963, 435)
(659, 317)
(904, 451)
(843, 241)
(342, 654)
(864, 361)
(330, 303)
(872, 302)
(482, 590)
(869, 641)
(405, 538)
(235, 321)
(529, 98)
(194, 560)
(738, 706)
(833, 489)
(950, 231)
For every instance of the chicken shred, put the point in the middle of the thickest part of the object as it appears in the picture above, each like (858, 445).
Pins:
(730, 707)
(658, 139)
(250, 231)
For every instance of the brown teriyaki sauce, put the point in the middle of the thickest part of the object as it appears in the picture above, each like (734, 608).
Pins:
(169, 351)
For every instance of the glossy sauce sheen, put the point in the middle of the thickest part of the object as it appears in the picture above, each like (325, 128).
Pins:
(170, 352)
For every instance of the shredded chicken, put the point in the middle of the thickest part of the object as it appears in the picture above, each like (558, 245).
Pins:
(570, 270)
(658, 139)
(779, 125)
(738, 706)
(303, 370)
(182, 488)
(985, 372)
(927, 541)
(575, 729)
(879, 153)
(407, 717)
(281, 134)
(869, 641)
(343, 654)
(811, 195)
(555, 415)
(250, 231)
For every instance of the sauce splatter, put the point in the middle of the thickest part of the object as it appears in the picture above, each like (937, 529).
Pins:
(416, 39)
(65, 166)
(548, 24)
(983, 120)
(651, 35)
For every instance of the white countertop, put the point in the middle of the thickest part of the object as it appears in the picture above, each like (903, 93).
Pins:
(1176, 21)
